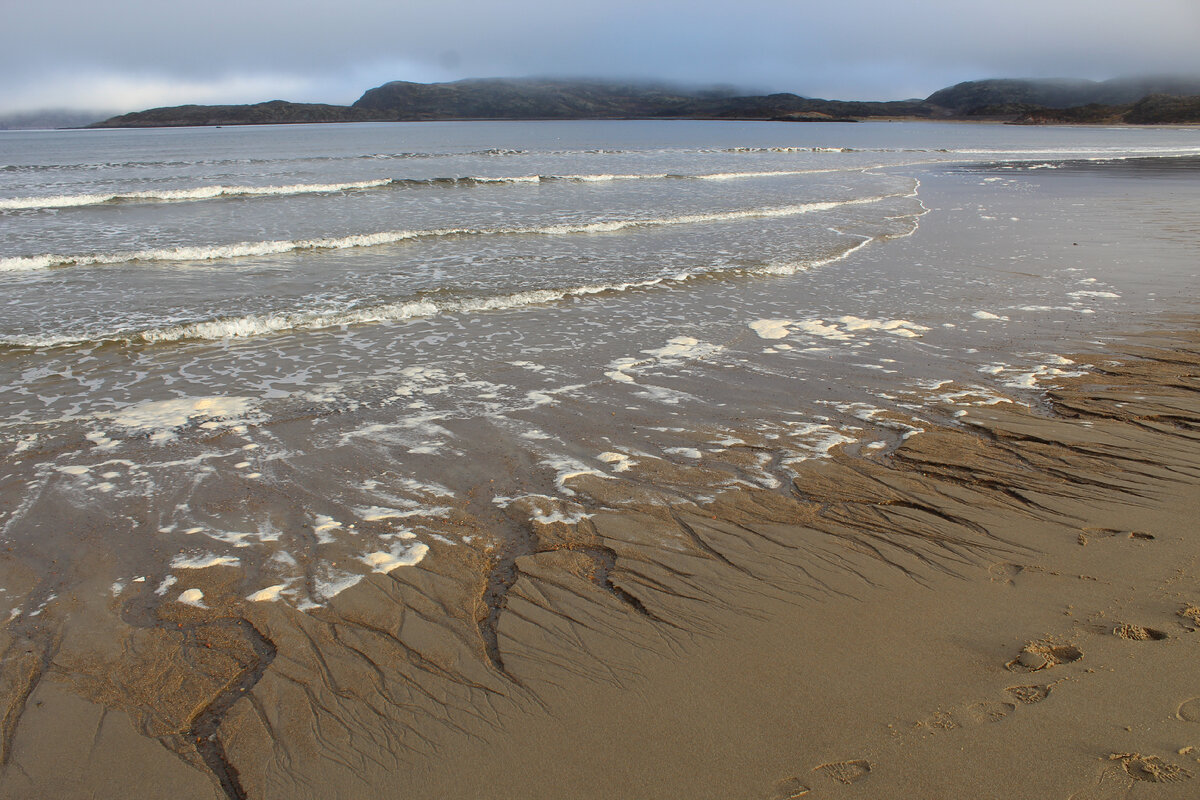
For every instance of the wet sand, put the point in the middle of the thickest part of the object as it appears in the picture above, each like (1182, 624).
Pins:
(1008, 607)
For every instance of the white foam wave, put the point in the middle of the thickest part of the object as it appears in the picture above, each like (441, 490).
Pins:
(178, 195)
(282, 246)
(790, 150)
(1115, 152)
(263, 324)
(198, 193)
(726, 176)
(281, 322)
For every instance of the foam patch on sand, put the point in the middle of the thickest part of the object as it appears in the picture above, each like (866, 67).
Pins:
(266, 533)
(329, 584)
(417, 433)
(771, 328)
(322, 525)
(972, 396)
(387, 560)
(544, 509)
(896, 327)
(619, 461)
(192, 597)
(878, 417)
(817, 440)
(204, 561)
(269, 594)
(841, 329)
(677, 350)
(1024, 378)
(568, 468)
(162, 418)
(407, 509)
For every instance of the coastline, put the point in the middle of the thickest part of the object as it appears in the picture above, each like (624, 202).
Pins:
(1006, 120)
(992, 609)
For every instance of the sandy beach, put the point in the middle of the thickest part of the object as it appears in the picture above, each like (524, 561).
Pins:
(1004, 609)
(617, 460)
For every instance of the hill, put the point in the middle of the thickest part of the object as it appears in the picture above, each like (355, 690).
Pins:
(268, 113)
(511, 99)
(1155, 109)
(973, 98)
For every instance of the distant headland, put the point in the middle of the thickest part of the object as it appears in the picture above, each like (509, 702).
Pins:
(1150, 100)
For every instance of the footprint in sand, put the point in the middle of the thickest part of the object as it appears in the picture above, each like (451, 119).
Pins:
(974, 714)
(1189, 710)
(1150, 768)
(989, 711)
(1116, 782)
(845, 772)
(1136, 633)
(1035, 656)
(938, 721)
(1029, 694)
(1190, 613)
(1005, 573)
(1108, 533)
(790, 789)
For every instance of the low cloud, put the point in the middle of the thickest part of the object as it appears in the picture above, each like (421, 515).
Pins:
(122, 92)
(132, 54)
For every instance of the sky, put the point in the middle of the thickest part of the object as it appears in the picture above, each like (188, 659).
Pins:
(127, 55)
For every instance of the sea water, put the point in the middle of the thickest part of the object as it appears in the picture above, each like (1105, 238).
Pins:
(315, 352)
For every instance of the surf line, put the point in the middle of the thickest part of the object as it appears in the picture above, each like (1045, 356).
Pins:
(278, 247)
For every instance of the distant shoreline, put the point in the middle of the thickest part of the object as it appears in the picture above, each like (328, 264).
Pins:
(923, 120)
(1131, 101)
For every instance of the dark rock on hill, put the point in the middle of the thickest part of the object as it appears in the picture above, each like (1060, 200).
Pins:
(514, 99)
(1155, 109)
(1158, 109)
(511, 99)
(271, 112)
(977, 98)
(1090, 114)
(775, 106)
(813, 116)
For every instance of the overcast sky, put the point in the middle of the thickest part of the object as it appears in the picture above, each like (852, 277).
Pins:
(125, 55)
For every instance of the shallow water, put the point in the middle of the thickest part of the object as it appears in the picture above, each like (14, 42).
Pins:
(317, 350)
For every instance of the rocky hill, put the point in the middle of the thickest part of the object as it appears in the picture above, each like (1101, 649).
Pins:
(552, 99)
(513, 99)
(271, 112)
(974, 98)
(1155, 109)
(545, 99)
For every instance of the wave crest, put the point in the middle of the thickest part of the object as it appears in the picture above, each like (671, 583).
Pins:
(278, 247)
(198, 193)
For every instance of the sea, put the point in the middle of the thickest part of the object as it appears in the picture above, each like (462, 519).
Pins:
(310, 353)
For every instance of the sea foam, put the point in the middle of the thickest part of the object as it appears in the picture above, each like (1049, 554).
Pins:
(283, 246)
(182, 195)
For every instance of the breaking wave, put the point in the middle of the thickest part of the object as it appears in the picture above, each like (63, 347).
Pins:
(278, 247)
(430, 305)
(177, 195)
(219, 191)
